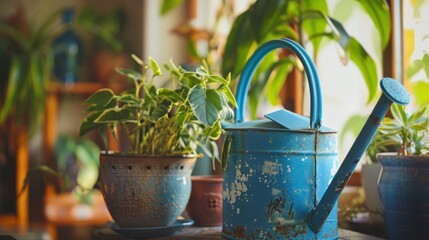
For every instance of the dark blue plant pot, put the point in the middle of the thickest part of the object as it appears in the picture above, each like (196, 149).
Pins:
(404, 192)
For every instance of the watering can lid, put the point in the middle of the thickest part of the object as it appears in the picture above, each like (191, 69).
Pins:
(292, 121)
(281, 119)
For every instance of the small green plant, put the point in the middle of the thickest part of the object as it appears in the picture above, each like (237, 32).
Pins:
(76, 167)
(164, 121)
(408, 132)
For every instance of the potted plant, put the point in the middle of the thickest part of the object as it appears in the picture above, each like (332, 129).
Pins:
(403, 183)
(107, 49)
(73, 177)
(149, 184)
(29, 64)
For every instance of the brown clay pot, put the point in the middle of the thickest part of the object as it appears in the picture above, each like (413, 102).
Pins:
(205, 203)
(104, 64)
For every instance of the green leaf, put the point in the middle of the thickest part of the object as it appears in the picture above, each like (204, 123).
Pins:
(160, 111)
(169, 94)
(421, 90)
(128, 98)
(216, 131)
(226, 112)
(155, 67)
(264, 15)
(205, 104)
(228, 93)
(315, 25)
(168, 5)
(414, 68)
(217, 79)
(238, 45)
(130, 73)
(366, 65)
(116, 115)
(14, 85)
(89, 123)
(225, 151)
(275, 83)
(399, 114)
(100, 98)
(341, 35)
(425, 64)
(379, 12)
(137, 59)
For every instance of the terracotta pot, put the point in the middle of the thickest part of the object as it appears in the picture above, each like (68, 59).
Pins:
(104, 64)
(205, 203)
(142, 191)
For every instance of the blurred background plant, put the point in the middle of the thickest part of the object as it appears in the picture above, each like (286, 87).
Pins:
(308, 22)
(76, 167)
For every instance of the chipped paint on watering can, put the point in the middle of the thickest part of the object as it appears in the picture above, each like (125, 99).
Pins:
(281, 180)
(278, 168)
(274, 177)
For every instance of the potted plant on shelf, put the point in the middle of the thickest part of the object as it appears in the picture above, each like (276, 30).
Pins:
(149, 185)
(403, 183)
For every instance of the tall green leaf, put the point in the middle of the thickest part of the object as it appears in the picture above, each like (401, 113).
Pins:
(238, 45)
(264, 15)
(378, 11)
(275, 84)
(312, 25)
(366, 66)
(15, 84)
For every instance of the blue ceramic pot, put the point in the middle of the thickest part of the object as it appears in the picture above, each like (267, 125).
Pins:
(142, 191)
(404, 192)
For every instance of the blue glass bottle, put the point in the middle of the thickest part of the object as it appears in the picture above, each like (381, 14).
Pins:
(67, 49)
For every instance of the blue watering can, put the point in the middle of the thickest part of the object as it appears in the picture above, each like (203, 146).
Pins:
(281, 180)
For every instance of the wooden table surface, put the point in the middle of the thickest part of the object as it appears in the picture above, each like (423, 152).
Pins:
(212, 233)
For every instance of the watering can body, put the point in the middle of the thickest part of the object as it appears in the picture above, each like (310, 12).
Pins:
(282, 179)
(274, 178)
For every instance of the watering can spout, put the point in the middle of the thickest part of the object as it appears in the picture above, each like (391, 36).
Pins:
(392, 92)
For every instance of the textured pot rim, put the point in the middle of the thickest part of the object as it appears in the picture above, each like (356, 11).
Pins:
(393, 159)
(113, 153)
(395, 155)
(207, 178)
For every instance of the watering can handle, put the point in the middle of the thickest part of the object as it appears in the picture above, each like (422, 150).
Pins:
(310, 70)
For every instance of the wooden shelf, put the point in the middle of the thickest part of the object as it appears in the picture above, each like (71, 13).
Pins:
(75, 88)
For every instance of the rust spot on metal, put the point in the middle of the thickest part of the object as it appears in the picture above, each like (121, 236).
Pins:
(343, 183)
(291, 231)
(290, 213)
(276, 205)
(238, 232)
(375, 119)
